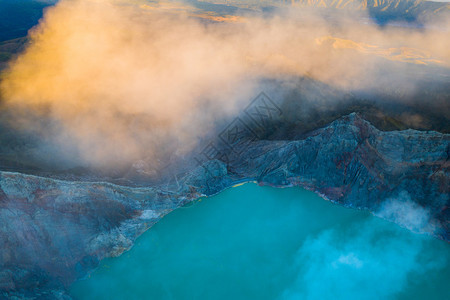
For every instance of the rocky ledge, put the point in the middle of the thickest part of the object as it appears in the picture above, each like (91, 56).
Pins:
(53, 232)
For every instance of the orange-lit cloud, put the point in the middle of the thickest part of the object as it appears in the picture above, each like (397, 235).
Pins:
(124, 82)
(403, 54)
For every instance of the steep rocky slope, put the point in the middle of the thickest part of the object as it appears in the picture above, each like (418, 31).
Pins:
(53, 232)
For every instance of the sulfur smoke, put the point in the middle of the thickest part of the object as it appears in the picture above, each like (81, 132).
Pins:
(119, 82)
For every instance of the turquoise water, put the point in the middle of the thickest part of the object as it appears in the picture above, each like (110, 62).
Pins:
(254, 242)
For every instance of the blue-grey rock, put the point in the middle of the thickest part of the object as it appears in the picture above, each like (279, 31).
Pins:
(53, 232)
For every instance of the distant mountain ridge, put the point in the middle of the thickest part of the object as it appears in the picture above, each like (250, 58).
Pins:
(394, 9)
(411, 8)
(385, 5)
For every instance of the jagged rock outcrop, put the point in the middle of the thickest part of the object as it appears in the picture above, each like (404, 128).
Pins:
(354, 164)
(53, 231)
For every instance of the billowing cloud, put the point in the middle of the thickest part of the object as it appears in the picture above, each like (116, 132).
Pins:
(407, 213)
(114, 82)
(370, 258)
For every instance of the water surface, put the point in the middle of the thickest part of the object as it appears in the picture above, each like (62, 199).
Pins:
(254, 242)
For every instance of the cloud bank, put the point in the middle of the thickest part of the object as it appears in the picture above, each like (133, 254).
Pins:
(369, 258)
(113, 82)
(407, 213)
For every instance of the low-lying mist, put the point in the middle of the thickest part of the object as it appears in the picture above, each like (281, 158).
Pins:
(106, 83)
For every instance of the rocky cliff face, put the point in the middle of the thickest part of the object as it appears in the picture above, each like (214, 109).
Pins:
(53, 232)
